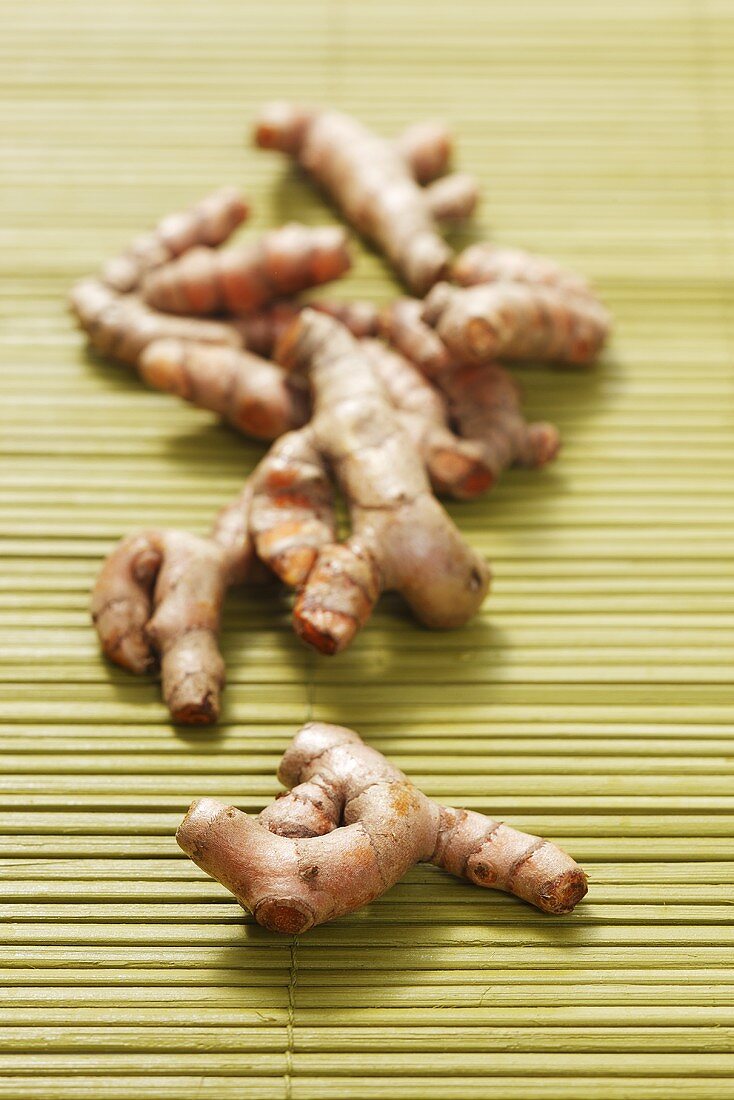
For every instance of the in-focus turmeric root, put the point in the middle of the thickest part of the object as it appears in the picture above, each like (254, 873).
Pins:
(516, 320)
(402, 539)
(374, 183)
(244, 279)
(350, 827)
(158, 600)
(210, 222)
(484, 402)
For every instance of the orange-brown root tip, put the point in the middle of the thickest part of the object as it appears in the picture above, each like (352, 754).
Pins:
(286, 347)
(481, 339)
(465, 478)
(331, 265)
(195, 708)
(132, 652)
(285, 915)
(266, 135)
(327, 631)
(259, 419)
(563, 893)
(293, 566)
(546, 443)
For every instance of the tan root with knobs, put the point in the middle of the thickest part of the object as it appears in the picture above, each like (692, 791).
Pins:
(349, 828)
(246, 278)
(377, 183)
(516, 320)
(157, 601)
(401, 538)
(212, 220)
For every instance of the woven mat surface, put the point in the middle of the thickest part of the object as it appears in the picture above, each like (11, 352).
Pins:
(592, 701)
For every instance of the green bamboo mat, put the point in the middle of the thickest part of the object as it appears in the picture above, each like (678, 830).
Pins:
(591, 702)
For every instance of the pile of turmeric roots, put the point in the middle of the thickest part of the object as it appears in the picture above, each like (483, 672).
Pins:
(390, 407)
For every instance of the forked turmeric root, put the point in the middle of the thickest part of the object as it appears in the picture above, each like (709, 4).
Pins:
(158, 601)
(349, 828)
(401, 537)
(376, 183)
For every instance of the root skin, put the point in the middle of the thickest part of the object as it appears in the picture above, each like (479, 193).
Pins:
(292, 514)
(159, 597)
(350, 828)
(454, 198)
(372, 181)
(245, 279)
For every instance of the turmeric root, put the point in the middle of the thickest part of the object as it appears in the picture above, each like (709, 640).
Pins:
(117, 322)
(516, 321)
(487, 263)
(158, 599)
(209, 222)
(350, 827)
(374, 183)
(484, 402)
(241, 280)
(401, 539)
